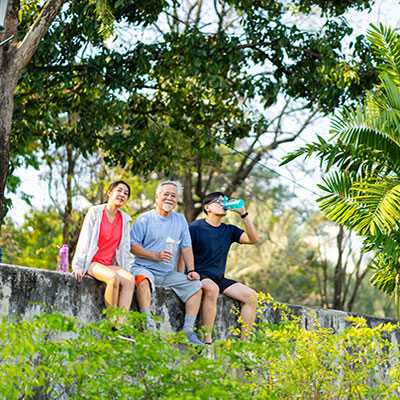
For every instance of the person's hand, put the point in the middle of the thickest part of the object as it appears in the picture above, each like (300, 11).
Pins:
(165, 256)
(240, 211)
(79, 274)
(193, 276)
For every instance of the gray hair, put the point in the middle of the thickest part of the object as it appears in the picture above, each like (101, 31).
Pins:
(176, 184)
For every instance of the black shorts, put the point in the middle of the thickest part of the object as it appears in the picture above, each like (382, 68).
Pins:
(222, 282)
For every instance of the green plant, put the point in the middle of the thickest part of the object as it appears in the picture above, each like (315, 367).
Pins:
(58, 357)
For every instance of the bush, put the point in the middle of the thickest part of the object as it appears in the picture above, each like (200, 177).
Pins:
(55, 357)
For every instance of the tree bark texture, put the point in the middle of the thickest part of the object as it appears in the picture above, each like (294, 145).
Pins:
(340, 275)
(71, 161)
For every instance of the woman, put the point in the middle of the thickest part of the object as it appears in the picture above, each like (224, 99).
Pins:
(103, 247)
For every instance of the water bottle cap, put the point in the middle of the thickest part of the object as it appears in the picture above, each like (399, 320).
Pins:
(170, 240)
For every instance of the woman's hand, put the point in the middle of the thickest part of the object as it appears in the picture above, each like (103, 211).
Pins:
(79, 274)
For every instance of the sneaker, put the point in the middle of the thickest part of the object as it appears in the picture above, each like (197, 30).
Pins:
(150, 327)
(193, 339)
(208, 351)
(121, 336)
(126, 337)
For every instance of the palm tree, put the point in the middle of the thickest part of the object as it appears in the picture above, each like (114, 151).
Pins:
(363, 161)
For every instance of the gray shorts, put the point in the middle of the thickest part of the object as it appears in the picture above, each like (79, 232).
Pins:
(179, 283)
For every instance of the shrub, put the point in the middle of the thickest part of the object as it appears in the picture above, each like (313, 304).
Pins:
(56, 357)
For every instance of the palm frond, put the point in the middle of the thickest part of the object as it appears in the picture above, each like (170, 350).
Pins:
(368, 206)
(339, 205)
(380, 201)
(364, 126)
(384, 108)
(322, 148)
(385, 44)
(384, 269)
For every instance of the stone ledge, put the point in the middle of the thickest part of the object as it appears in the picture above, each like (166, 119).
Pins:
(24, 291)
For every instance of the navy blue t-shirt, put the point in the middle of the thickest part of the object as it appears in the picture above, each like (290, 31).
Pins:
(211, 245)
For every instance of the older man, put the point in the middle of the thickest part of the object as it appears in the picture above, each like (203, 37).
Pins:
(157, 236)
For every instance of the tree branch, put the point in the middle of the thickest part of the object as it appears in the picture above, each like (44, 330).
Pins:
(31, 41)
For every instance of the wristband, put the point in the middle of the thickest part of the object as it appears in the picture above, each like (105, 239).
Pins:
(244, 215)
(192, 270)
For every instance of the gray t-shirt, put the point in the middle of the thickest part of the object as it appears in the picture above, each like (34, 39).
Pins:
(151, 231)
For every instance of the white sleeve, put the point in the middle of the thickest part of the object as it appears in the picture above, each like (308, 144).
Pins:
(82, 247)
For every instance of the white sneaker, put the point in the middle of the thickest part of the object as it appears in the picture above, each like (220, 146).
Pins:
(208, 352)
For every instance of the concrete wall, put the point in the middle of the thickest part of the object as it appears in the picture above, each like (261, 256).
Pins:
(24, 291)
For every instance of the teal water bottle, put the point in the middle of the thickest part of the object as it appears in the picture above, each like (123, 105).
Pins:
(232, 203)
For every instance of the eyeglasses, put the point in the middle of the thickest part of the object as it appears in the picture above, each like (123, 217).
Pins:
(219, 201)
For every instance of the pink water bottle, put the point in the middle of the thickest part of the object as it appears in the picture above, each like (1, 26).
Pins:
(62, 258)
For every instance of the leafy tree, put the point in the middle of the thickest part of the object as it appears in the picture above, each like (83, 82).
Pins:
(363, 190)
(29, 22)
(309, 92)
(146, 104)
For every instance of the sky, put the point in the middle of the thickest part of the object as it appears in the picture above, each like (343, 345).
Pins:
(384, 11)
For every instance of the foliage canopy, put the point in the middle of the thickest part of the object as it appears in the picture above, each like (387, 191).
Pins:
(175, 96)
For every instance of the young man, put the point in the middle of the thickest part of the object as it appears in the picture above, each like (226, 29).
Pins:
(211, 241)
(151, 234)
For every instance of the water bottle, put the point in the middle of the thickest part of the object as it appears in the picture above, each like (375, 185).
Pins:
(232, 203)
(170, 246)
(62, 258)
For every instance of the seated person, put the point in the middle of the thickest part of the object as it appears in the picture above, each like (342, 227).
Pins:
(155, 265)
(102, 250)
(211, 241)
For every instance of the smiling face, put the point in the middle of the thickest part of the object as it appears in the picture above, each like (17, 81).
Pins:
(167, 199)
(118, 196)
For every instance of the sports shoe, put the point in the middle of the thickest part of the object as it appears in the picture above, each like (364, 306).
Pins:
(208, 351)
(126, 337)
(122, 336)
(193, 339)
(150, 327)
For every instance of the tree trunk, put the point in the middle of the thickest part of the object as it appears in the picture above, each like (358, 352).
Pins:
(68, 207)
(357, 284)
(339, 273)
(7, 87)
(14, 57)
(188, 197)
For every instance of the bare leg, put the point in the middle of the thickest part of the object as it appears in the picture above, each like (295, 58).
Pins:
(192, 304)
(127, 283)
(114, 277)
(248, 297)
(110, 277)
(209, 307)
(143, 294)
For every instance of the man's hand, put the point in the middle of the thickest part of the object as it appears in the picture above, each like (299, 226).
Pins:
(240, 211)
(139, 251)
(193, 276)
(165, 256)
